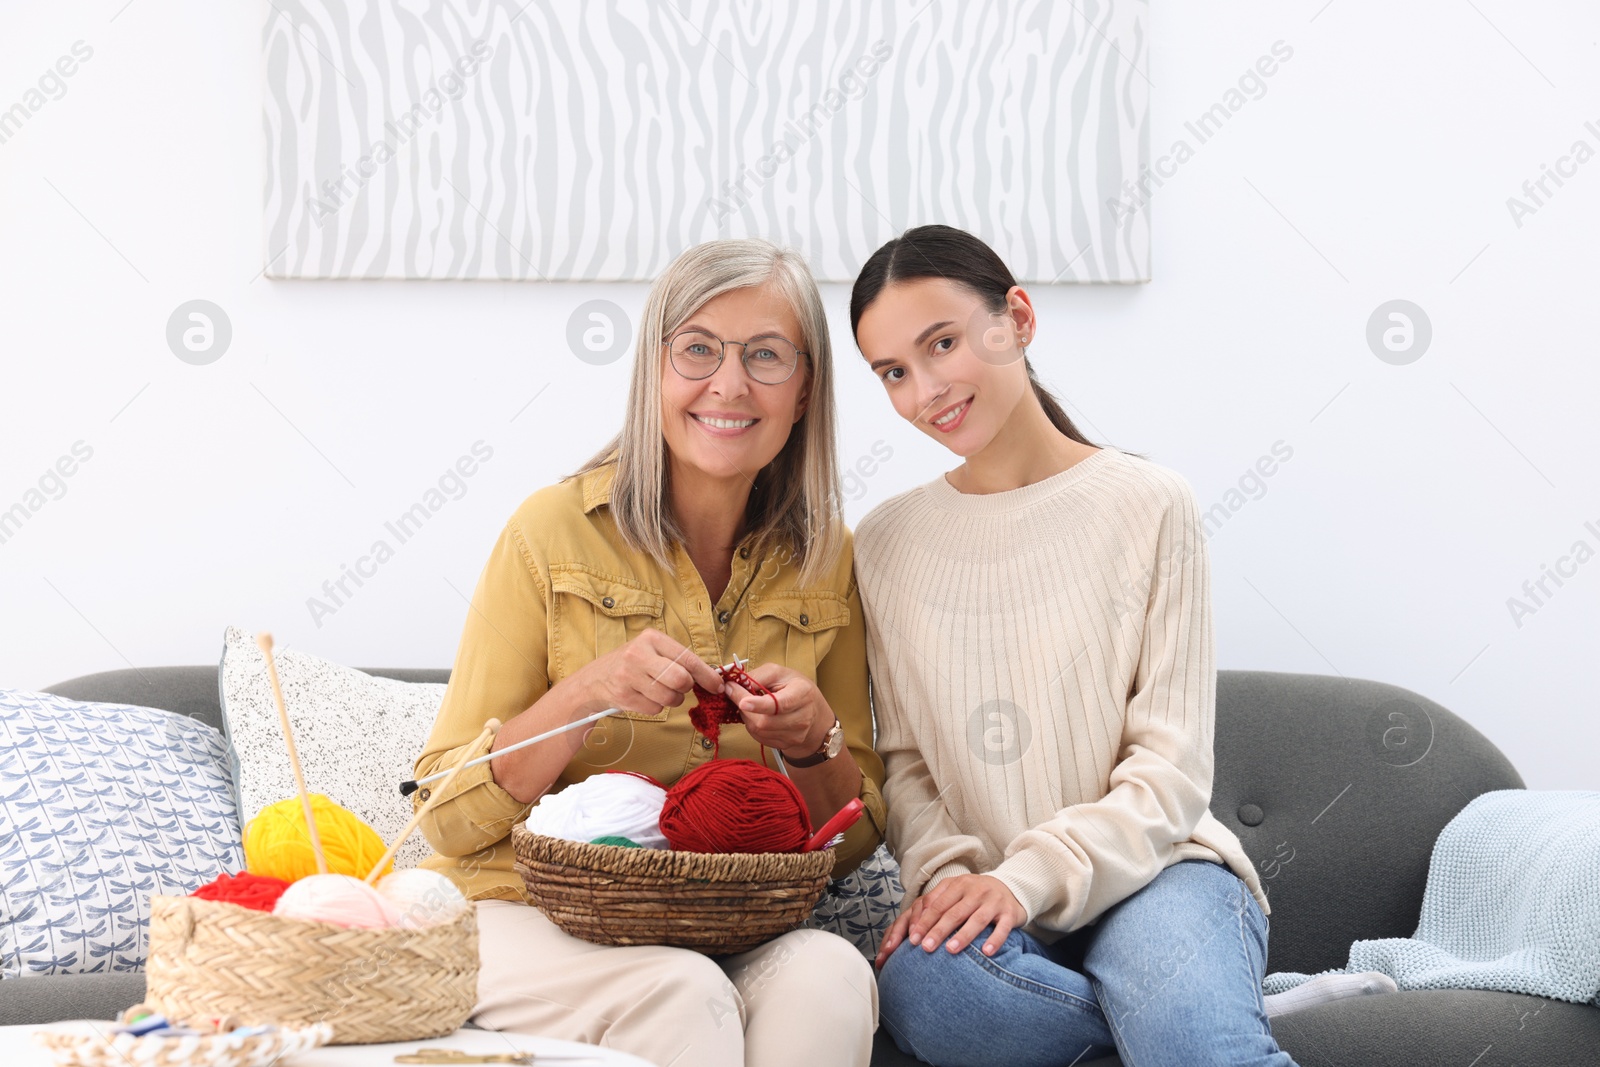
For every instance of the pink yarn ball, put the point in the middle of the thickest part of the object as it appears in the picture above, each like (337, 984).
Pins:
(339, 899)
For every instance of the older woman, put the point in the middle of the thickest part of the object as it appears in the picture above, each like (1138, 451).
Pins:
(707, 529)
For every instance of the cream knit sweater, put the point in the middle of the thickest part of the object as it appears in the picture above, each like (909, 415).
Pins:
(1044, 682)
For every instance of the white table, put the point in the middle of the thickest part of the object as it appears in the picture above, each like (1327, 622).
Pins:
(17, 1049)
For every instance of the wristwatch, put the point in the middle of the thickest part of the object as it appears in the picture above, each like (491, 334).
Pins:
(832, 745)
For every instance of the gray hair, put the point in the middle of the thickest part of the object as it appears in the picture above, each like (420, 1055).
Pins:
(796, 500)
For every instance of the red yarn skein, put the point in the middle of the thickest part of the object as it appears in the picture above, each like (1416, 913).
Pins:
(735, 805)
(247, 890)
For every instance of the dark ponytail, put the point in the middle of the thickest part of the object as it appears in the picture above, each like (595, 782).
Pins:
(946, 252)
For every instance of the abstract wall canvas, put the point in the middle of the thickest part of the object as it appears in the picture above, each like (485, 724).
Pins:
(597, 139)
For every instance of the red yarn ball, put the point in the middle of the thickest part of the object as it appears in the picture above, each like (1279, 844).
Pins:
(735, 805)
(257, 891)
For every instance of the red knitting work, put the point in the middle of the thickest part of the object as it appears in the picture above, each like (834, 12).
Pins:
(714, 710)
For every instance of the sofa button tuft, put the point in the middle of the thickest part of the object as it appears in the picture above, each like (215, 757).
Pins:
(1250, 815)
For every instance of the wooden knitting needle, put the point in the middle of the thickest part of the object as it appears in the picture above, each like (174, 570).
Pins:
(490, 728)
(412, 785)
(265, 641)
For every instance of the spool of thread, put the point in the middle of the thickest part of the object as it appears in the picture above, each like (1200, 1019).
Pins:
(422, 898)
(276, 842)
(735, 805)
(247, 890)
(613, 804)
(340, 899)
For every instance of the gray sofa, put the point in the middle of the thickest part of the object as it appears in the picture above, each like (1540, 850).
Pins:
(1336, 787)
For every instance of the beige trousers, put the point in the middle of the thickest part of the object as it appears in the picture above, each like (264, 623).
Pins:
(806, 998)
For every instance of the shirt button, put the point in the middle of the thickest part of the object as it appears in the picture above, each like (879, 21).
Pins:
(805, 620)
(609, 602)
(423, 795)
(723, 618)
(705, 742)
(744, 553)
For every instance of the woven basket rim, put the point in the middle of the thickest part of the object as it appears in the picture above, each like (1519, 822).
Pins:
(667, 864)
(222, 908)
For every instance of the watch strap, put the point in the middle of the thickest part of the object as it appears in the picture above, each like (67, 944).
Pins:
(821, 754)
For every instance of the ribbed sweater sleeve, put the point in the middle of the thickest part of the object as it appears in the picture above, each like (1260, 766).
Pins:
(922, 834)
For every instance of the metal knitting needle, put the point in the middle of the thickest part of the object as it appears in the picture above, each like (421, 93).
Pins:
(411, 786)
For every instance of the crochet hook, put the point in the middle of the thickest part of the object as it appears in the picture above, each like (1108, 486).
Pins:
(411, 786)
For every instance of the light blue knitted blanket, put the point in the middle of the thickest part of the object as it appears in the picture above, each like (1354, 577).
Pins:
(1512, 903)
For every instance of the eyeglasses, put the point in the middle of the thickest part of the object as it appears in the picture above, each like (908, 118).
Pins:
(769, 359)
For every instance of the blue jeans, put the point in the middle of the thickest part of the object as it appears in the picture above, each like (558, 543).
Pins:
(1171, 975)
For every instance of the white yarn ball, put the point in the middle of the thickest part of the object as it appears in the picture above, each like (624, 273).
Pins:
(421, 898)
(614, 804)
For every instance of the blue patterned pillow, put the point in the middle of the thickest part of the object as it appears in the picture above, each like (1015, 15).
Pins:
(861, 906)
(102, 805)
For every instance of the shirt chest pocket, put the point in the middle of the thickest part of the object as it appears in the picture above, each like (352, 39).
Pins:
(796, 629)
(592, 613)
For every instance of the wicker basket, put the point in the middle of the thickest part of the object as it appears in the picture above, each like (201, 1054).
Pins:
(209, 958)
(712, 903)
(213, 1050)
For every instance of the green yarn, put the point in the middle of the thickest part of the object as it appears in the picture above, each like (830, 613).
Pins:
(620, 842)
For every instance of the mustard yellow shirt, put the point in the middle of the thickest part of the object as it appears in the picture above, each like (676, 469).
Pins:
(562, 588)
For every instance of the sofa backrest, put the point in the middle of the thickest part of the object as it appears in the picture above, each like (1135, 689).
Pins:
(1337, 788)
(191, 691)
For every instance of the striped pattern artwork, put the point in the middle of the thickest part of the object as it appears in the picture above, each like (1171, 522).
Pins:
(595, 140)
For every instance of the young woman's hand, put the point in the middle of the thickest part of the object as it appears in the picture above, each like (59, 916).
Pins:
(649, 673)
(795, 721)
(958, 908)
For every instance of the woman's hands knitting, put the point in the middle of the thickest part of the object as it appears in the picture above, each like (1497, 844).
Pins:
(795, 720)
(645, 675)
(958, 908)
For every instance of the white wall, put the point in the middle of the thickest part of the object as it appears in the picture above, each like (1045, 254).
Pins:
(1375, 166)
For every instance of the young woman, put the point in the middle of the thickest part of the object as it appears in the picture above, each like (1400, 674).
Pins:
(707, 528)
(1039, 636)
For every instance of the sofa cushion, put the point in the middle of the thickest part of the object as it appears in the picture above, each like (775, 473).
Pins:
(102, 805)
(357, 735)
(1419, 1027)
(1445, 1026)
(861, 906)
(69, 996)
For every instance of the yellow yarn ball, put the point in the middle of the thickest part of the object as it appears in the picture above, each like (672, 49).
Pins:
(276, 842)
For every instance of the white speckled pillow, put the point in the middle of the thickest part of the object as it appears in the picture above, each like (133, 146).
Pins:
(357, 735)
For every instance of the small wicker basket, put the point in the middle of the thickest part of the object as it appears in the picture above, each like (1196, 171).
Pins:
(713, 903)
(209, 958)
(209, 1050)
